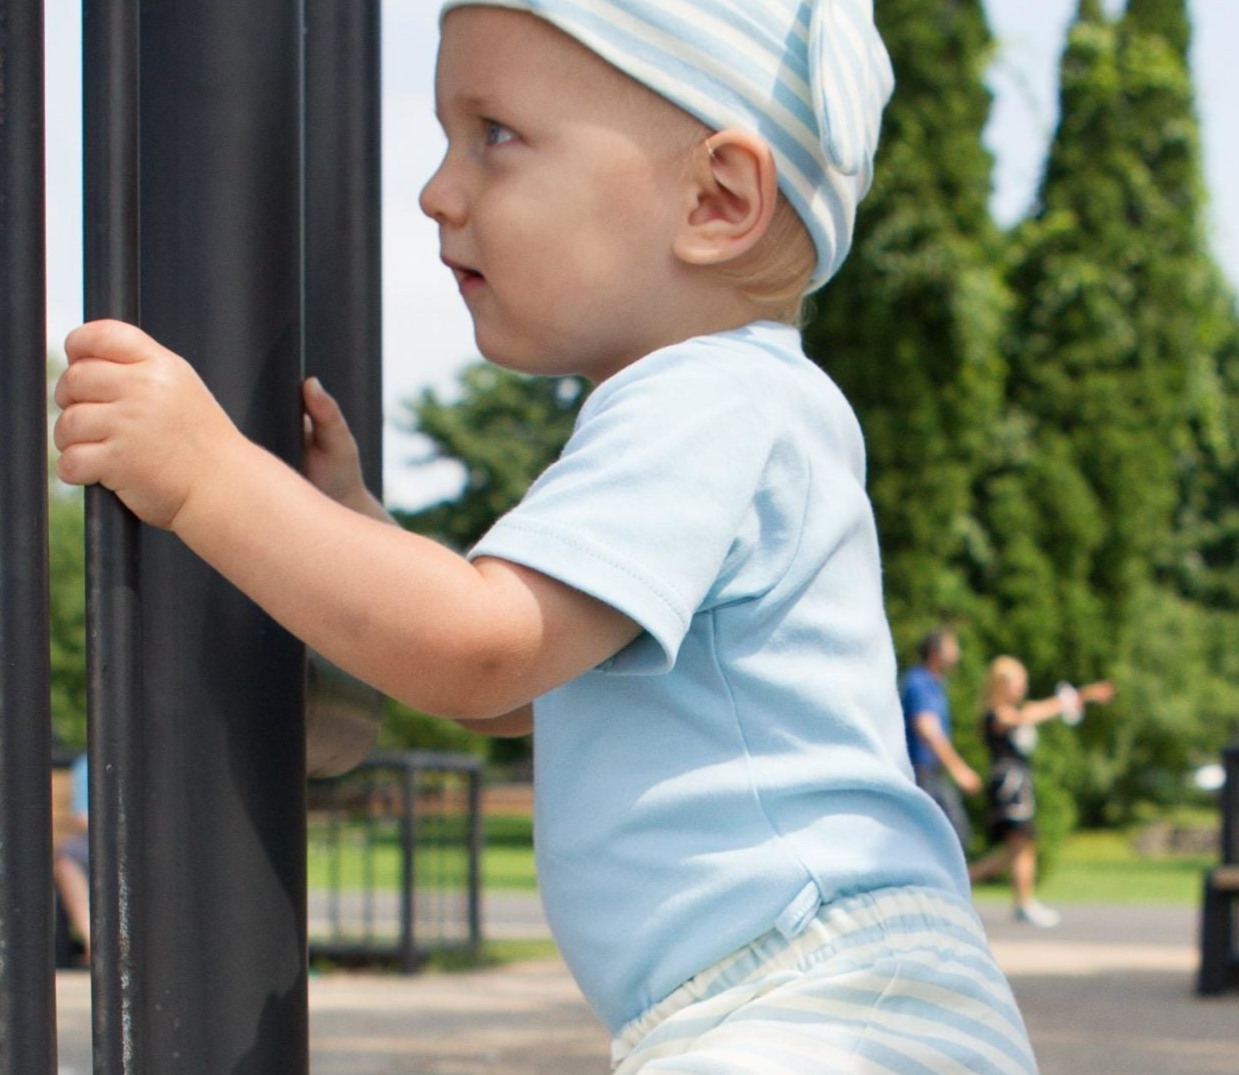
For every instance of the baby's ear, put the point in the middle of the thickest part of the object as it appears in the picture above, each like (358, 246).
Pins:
(733, 193)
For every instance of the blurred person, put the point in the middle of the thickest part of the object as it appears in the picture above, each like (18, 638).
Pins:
(937, 765)
(1009, 726)
(71, 863)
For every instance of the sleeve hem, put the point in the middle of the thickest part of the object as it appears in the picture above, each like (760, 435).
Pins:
(574, 560)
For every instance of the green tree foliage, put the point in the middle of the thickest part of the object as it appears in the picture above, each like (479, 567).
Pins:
(910, 327)
(67, 571)
(1115, 353)
(1164, 20)
(1208, 522)
(505, 429)
(1193, 314)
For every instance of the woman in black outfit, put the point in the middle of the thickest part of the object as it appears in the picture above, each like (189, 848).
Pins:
(1009, 726)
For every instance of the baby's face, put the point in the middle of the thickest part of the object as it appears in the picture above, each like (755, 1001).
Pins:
(558, 198)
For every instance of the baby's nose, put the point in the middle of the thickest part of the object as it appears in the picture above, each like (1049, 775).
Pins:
(441, 199)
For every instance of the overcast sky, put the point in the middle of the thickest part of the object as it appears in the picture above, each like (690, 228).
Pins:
(427, 337)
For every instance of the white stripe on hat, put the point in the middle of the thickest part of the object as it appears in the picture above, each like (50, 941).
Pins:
(809, 76)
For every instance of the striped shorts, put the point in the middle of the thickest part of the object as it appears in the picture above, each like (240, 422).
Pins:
(894, 982)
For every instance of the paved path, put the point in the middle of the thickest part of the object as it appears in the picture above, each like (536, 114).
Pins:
(1108, 993)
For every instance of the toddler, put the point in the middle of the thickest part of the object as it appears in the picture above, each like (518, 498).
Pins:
(733, 856)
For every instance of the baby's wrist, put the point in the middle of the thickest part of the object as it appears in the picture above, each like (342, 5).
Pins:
(218, 487)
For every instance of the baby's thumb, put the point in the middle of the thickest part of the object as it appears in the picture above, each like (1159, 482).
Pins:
(322, 408)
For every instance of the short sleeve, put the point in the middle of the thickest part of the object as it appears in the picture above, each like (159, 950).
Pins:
(646, 503)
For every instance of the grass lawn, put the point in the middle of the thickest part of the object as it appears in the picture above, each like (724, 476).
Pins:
(356, 859)
(1093, 867)
(1101, 867)
(493, 954)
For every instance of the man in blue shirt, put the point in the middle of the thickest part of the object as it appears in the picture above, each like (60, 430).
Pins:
(939, 769)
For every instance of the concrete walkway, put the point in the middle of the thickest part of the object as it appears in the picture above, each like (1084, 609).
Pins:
(1107, 993)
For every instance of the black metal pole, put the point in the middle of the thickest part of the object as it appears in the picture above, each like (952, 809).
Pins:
(343, 285)
(27, 984)
(344, 329)
(408, 868)
(113, 614)
(1229, 805)
(220, 945)
(476, 839)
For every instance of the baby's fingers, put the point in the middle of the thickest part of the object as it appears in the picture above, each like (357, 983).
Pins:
(82, 464)
(320, 405)
(328, 430)
(112, 341)
(87, 381)
(82, 423)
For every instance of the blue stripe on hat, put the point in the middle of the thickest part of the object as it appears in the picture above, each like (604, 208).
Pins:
(809, 76)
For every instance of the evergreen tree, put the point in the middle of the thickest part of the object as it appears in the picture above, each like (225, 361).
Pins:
(1165, 20)
(1097, 483)
(1111, 363)
(910, 327)
(1191, 309)
(1206, 558)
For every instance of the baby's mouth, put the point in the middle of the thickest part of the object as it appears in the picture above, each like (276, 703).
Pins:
(465, 277)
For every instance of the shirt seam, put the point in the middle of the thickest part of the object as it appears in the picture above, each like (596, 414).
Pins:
(781, 839)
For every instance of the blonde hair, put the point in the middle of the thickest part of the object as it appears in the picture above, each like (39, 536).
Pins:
(775, 274)
(1002, 672)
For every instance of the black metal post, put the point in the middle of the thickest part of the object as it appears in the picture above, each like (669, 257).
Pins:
(477, 837)
(1229, 804)
(27, 985)
(217, 955)
(343, 283)
(344, 328)
(408, 869)
(113, 635)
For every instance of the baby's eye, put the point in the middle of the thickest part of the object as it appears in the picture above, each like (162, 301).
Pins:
(496, 133)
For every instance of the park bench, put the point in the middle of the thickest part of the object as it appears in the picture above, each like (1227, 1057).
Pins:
(1219, 938)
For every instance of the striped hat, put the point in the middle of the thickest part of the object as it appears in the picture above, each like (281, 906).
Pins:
(810, 76)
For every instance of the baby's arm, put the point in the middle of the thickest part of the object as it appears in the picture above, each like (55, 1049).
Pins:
(333, 466)
(419, 622)
(508, 726)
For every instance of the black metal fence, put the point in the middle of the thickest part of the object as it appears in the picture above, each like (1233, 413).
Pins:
(27, 1030)
(394, 854)
(231, 183)
(394, 859)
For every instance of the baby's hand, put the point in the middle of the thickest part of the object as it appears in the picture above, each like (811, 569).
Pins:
(138, 419)
(332, 463)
